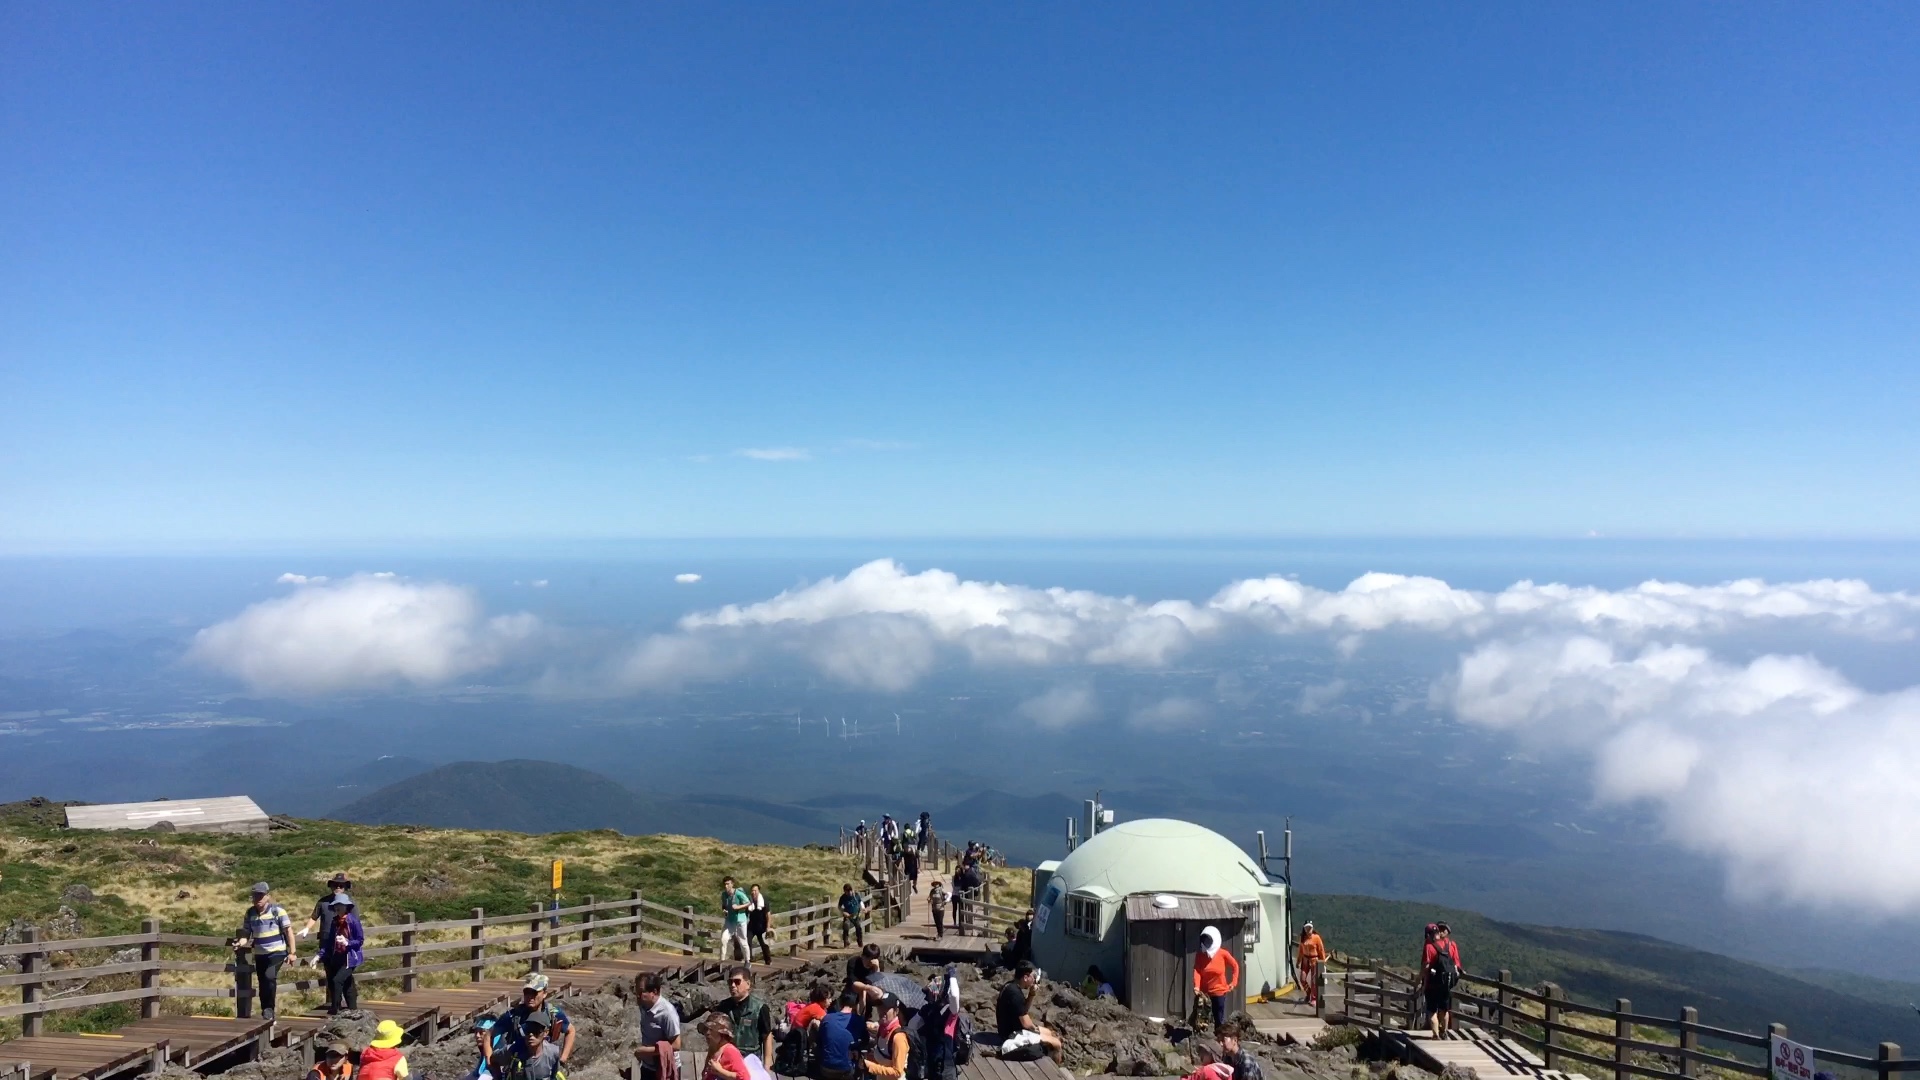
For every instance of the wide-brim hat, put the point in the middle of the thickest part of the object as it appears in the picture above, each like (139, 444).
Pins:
(387, 1035)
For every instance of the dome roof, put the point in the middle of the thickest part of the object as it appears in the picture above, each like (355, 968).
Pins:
(1161, 855)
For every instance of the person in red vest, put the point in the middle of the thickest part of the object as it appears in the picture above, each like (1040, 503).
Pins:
(1440, 968)
(383, 1059)
(1215, 973)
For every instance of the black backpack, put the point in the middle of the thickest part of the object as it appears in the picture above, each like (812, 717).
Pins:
(916, 1056)
(790, 1058)
(1441, 970)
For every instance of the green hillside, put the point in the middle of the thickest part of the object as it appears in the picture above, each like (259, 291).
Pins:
(1597, 966)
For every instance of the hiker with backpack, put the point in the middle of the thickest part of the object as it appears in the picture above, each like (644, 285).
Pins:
(851, 906)
(1440, 963)
(733, 912)
(322, 916)
(341, 945)
(937, 906)
(838, 1040)
(267, 935)
(940, 1027)
(892, 1049)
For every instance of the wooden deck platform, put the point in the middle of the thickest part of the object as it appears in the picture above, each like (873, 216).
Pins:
(1487, 1056)
(197, 1039)
(1287, 1021)
(82, 1057)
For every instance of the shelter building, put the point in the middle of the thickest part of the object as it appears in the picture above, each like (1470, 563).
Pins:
(230, 814)
(1133, 900)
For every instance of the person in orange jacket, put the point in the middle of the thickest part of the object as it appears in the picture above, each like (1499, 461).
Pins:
(1308, 958)
(1215, 973)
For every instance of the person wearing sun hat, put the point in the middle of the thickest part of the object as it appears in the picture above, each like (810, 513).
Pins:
(334, 1064)
(383, 1058)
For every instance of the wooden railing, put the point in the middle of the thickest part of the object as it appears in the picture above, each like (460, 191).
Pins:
(1630, 1044)
(980, 916)
(411, 949)
(939, 857)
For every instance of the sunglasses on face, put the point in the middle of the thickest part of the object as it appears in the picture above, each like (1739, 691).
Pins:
(736, 982)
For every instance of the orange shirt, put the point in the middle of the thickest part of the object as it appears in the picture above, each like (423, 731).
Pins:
(809, 1013)
(1215, 976)
(1312, 950)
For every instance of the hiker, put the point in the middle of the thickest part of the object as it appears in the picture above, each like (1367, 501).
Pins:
(910, 864)
(1023, 937)
(1215, 973)
(851, 905)
(749, 1018)
(892, 1047)
(733, 908)
(659, 1029)
(508, 1034)
(840, 1036)
(340, 953)
(925, 836)
(889, 834)
(1095, 985)
(322, 916)
(383, 1059)
(937, 906)
(724, 1060)
(1208, 1066)
(939, 1025)
(333, 1065)
(536, 1057)
(1233, 1054)
(757, 919)
(1020, 1038)
(860, 967)
(1440, 962)
(1308, 958)
(266, 930)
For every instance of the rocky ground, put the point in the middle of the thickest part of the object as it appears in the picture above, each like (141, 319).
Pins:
(1101, 1036)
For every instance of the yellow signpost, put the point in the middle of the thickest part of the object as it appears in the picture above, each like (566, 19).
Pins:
(558, 868)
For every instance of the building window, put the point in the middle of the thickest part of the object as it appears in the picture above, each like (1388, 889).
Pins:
(1250, 927)
(1083, 916)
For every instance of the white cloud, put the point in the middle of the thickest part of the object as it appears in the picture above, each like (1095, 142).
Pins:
(1168, 714)
(1065, 706)
(1315, 698)
(299, 579)
(1800, 781)
(366, 632)
(687, 579)
(776, 453)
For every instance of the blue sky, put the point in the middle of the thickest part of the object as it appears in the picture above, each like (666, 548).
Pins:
(470, 271)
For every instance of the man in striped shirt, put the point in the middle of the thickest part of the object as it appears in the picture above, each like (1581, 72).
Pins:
(269, 933)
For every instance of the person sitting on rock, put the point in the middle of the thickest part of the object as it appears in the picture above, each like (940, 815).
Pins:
(333, 1065)
(1095, 985)
(1021, 1039)
(887, 1058)
(1210, 1066)
(383, 1059)
(1234, 1054)
(838, 1040)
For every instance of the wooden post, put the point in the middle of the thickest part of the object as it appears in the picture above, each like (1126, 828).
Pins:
(1889, 1056)
(793, 928)
(1689, 1039)
(539, 940)
(150, 973)
(30, 991)
(686, 930)
(586, 932)
(1622, 1031)
(408, 980)
(477, 950)
(1503, 1002)
(1553, 1014)
(243, 983)
(633, 912)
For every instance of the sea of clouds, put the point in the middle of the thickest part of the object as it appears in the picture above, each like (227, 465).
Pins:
(1798, 779)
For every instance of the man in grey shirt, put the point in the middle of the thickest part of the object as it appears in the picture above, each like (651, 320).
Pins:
(659, 1023)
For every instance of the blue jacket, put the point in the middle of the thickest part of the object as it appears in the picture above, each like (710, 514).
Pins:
(356, 939)
(837, 1039)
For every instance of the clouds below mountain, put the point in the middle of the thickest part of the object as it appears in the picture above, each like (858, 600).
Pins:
(1782, 767)
(367, 632)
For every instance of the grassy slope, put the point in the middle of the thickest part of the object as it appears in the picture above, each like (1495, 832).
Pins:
(1598, 966)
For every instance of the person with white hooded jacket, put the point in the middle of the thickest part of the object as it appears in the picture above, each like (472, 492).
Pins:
(1215, 973)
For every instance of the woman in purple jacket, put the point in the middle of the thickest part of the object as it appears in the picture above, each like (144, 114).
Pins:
(340, 953)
